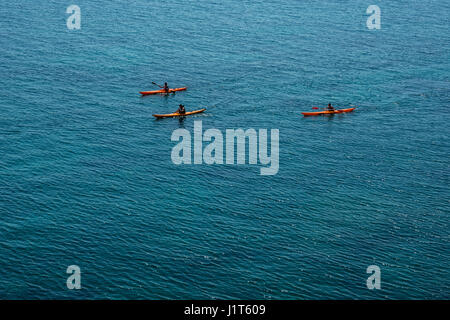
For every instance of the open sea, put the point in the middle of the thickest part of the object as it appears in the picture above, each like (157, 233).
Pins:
(86, 176)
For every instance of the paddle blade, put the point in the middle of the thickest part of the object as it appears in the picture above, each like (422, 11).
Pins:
(315, 108)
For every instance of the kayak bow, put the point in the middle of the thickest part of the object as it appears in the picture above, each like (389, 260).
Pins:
(176, 114)
(327, 112)
(146, 93)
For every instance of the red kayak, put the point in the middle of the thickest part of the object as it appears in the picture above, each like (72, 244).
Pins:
(319, 113)
(146, 93)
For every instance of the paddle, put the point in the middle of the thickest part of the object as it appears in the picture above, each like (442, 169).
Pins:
(156, 84)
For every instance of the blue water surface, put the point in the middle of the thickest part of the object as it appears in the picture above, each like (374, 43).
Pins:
(86, 176)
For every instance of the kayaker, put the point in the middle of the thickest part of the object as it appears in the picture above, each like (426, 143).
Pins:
(166, 87)
(330, 108)
(181, 109)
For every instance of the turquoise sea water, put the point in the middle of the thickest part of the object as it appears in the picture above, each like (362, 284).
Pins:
(86, 176)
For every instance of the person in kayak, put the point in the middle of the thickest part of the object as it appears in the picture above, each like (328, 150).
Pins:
(181, 109)
(166, 87)
(330, 108)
